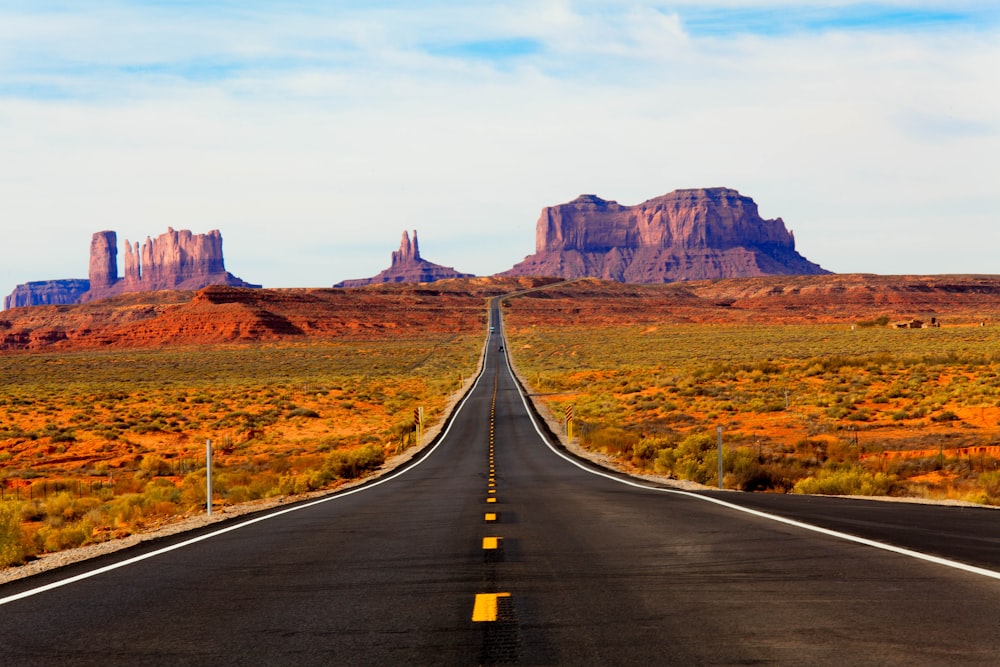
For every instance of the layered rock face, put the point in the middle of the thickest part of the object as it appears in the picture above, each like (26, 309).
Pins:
(408, 267)
(684, 235)
(46, 293)
(176, 260)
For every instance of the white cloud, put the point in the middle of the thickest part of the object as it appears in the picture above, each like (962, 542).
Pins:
(312, 141)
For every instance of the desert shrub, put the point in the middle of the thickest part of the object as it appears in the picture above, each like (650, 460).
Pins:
(693, 458)
(239, 494)
(610, 439)
(264, 485)
(193, 489)
(352, 463)
(645, 451)
(303, 412)
(161, 491)
(989, 483)
(760, 405)
(153, 466)
(746, 472)
(849, 482)
(57, 538)
(12, 547)
(862, 415)
(836, 412)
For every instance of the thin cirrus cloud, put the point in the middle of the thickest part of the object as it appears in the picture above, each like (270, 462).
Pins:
(784, 20)
(300, 127)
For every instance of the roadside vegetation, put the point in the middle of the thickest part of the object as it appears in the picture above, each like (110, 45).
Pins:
(98, 445)
(805, 408)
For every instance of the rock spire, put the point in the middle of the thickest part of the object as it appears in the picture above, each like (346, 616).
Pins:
(408, 267)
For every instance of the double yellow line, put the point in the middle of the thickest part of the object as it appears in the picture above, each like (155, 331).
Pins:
(486, 607)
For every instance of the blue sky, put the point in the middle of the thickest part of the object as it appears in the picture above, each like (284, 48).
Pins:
(313, 134)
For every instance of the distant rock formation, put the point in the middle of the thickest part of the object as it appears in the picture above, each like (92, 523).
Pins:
(408, 267)
(46, 293)
(693, 234)
(177, 260)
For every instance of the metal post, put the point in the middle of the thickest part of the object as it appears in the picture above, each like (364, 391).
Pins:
(208, 476)
(720, 456)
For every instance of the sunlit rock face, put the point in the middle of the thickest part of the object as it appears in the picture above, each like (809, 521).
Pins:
(176, 260)
(684, 235)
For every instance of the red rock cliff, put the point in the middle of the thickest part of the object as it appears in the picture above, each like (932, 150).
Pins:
(684, 235)
(175, 260)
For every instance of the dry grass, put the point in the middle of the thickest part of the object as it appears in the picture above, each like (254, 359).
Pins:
(98, 445)
(810, 408)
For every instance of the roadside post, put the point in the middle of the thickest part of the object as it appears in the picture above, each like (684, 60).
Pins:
(719, 431)
(418, 422)
(569, 421)
(208, 477)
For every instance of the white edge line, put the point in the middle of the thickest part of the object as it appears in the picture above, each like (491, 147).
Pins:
(992, 574)
(243, 524)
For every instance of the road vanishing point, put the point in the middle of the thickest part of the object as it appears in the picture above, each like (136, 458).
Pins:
(497, 547)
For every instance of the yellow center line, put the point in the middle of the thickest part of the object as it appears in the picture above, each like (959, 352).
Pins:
(491, 500)
(485, 609)
(491, 516)
(491, 542)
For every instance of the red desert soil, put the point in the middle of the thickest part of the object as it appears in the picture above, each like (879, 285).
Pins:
(846, 298)
(228, 314)
(221, 314)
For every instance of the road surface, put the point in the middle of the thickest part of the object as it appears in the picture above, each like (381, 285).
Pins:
(495, 549)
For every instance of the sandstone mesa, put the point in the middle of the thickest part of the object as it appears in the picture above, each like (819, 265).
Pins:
(698, 234)
(693, 234)
(47, 293)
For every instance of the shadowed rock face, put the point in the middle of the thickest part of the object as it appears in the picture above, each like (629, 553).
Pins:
(177, 260)
(684, 235)
(407, 267)
(46, 293)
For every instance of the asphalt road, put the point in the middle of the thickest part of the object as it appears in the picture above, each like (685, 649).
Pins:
(583, 570)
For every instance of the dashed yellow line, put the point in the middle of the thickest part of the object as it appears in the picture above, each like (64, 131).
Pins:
(491, 500)
(491, 516)
(491, 543)
(485, 609)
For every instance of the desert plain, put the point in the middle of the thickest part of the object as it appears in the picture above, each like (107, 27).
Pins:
(844, 384)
